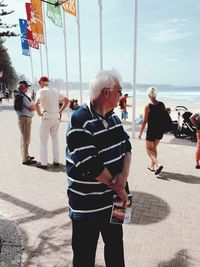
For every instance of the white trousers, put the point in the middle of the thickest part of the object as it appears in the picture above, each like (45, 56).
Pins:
(49, 127)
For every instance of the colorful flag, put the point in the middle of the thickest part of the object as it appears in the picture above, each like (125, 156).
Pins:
(32, 43)
(36, 21)
(70, 7)
(24, 42)
(54, 13)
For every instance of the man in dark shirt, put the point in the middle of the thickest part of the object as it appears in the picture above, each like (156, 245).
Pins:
(98, 158)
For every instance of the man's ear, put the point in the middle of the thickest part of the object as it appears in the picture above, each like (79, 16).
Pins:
(105, 91)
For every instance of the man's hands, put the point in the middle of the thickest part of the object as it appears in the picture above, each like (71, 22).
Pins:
(124, 197)
(117, 184)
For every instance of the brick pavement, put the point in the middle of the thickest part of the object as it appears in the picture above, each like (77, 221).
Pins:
(165, 227)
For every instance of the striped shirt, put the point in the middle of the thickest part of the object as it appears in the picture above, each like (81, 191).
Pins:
(93, 143)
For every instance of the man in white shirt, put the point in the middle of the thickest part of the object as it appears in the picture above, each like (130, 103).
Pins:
(47, 107)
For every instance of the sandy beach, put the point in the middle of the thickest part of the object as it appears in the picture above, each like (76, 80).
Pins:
(141, 103)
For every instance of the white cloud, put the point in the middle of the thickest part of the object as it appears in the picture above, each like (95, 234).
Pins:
(168, 35)
(170, 30)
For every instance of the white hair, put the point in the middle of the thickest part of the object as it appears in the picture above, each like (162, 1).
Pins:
(103, 79)
(152, 92)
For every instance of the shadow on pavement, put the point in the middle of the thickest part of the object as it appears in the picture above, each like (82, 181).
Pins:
(51, 168)
(181, 259)
(36, 213)
(190, 179)
(148, 209)
(10, 243)
(50, 241)
(180, 141)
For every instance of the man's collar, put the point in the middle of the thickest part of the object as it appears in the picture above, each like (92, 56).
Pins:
(95, 114)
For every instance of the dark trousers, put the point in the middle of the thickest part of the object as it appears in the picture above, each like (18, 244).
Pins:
(84, 242)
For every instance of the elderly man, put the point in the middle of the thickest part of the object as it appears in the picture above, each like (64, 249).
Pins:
(98, 158)
(25, 111)
(47, 107)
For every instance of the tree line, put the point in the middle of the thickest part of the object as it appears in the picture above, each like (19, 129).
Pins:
(8, 75)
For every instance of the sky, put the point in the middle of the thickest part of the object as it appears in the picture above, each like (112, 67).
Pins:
(168, 42)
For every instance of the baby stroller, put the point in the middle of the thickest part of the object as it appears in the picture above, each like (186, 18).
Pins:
(183, 128)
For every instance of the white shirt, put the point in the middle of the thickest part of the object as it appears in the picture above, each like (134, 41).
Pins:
(49, 101)
(198, 112)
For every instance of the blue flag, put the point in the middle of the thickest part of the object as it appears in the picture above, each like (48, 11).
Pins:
(24, 41)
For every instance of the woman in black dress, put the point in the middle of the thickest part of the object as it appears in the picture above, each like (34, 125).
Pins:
(153, 118)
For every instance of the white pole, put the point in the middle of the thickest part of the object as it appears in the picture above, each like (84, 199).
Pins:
(41, 63)
(134, 70)
(65, 47)
(79, 49)
(31, 64)
(100, 30)
(45, 39)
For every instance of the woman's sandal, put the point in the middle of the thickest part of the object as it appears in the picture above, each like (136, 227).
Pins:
(159, 170)
(152, 170)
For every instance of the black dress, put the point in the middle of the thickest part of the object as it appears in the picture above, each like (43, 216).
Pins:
(154, 128)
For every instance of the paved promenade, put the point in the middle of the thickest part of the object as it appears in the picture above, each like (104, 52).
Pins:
(165, 227)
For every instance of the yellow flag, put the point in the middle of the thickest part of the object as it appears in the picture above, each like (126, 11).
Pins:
(70, 7)
(36, 21)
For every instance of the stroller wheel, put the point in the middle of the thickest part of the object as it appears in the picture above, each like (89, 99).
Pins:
(177, 134)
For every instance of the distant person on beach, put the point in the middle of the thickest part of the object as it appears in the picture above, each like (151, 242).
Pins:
(123, 107)
(25, 111)
(47, 107)
(73, 104)
(195, 120)
(1, 96)
(33, 95)
(7, 94)
(153, 119)
(98, 158)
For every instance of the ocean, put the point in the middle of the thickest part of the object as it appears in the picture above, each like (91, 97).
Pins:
(171, 96)
(175, 96)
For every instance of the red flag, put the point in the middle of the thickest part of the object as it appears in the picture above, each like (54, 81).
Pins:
(31, 42)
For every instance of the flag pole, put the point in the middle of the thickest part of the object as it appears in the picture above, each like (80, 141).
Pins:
(134, 69)
(79, 49)
(65, 48)
(31, 64)
(100, 30)
(45, 39)
(41, 63)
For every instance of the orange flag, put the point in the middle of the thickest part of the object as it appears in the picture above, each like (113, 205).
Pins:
(70, 7)
(36, 21)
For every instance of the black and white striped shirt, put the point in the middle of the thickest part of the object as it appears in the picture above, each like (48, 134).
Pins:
(93, 143)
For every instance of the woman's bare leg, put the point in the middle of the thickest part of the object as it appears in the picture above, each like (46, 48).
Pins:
(156, 143)
(150, 148)
(197, 154)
